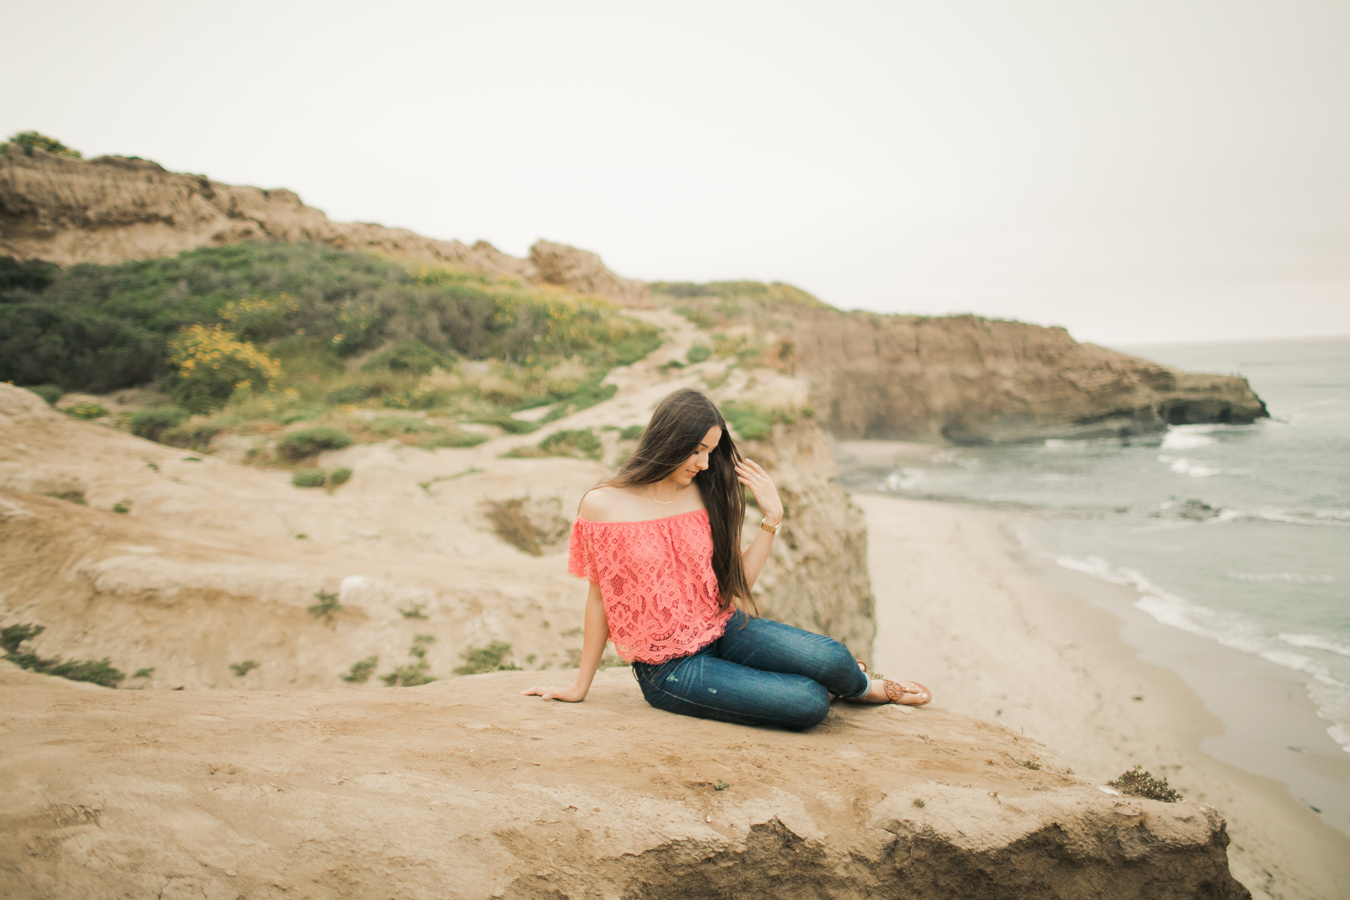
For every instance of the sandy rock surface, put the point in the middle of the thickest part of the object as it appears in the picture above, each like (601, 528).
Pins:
(466, 789)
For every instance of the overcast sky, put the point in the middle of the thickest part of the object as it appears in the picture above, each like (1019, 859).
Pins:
(1151, 170)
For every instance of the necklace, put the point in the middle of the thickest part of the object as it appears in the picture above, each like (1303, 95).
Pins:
(652, 496)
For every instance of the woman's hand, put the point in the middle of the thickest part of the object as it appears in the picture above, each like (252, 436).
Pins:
(573, 694)
(749, 473)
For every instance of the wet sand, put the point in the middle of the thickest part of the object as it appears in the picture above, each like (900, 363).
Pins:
(999, 636)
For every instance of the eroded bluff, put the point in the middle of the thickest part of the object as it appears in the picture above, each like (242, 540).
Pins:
(466, 789)
(112, 209)
(969, 380)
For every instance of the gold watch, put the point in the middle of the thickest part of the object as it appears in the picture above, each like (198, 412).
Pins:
(765, 526)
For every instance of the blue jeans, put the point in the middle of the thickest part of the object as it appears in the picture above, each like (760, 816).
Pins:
(765, 673)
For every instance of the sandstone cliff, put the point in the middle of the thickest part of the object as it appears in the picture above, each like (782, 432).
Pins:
(113, 208)
(465, 789)
(970, 380)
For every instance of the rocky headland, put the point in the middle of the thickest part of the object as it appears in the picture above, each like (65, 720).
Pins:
(256, 746)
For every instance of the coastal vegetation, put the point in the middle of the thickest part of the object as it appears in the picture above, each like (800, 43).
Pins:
(302, 347)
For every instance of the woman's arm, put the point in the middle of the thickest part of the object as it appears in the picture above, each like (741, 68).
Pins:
(592, 648)
(761, 485)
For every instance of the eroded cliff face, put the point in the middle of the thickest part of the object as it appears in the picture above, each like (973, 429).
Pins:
(466, 789)
(112, 209)
(819, 580)
(969, 380)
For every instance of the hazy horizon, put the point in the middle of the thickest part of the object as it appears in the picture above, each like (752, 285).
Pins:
(1138, 173)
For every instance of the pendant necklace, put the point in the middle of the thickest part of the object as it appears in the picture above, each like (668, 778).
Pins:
(652, 496)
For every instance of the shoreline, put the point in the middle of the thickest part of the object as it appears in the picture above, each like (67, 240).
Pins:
(962, 607)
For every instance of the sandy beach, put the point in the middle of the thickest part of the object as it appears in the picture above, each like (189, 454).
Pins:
(961, 609)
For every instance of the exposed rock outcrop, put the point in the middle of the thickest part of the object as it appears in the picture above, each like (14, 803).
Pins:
(970, 380)
(466, 789)
(111, 209)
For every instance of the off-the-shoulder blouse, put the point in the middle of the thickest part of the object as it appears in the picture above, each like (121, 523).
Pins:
(657, 581)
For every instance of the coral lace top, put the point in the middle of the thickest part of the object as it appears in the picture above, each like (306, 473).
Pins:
(657, 581)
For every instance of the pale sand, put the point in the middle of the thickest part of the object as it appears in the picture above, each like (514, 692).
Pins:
(959, 609)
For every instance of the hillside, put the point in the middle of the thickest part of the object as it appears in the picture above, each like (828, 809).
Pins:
(961, 379)
(110, 209)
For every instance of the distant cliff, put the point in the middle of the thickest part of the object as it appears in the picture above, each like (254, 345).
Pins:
(111, 209)
(964, 379)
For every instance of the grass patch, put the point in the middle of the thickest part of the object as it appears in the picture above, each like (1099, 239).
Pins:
(49, 392)
(632, 433)
(122, 506)
(698, 353)
(526, 524)
(327, 607)
(153, 423)
(491, 658)
(361, 671)
(86, 411)
(72, 496)
(300, 445)
(144, 673)
(417, 672)
(414, 611)
(1138, 782)
(100, 672)
(241, 669)
(755, 423)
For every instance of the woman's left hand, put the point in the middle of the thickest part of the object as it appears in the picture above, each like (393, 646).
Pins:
(749, 473)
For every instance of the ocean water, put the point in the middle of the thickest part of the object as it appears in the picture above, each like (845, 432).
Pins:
(1239, 535)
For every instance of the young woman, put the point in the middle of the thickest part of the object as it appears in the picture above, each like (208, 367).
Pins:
(665, 566)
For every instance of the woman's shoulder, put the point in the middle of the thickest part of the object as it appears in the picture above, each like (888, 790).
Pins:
(606, 503)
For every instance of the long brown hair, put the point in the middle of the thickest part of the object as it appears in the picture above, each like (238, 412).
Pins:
(676, 429)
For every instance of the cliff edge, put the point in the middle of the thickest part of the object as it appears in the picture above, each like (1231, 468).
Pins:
(466, 789)
(113, 208)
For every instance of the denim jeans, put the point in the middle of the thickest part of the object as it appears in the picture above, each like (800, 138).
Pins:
(765, 673)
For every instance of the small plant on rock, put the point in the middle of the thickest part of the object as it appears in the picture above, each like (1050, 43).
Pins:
(486, 659)
(243, 668)
(415, 673)
(1139, 782)
(328, 605)
(360, 672)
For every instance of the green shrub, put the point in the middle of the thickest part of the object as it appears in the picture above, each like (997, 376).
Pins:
(486, 659)
(413, 357)
(632, 433)
(49, 392)
(414, 673)
(29, 275)
(698, 353)
(360, 672)
(581, 443)
(755, 423)
(308, 442)
(14, 635)
(327, 606)
(28, 141)
(243, 668)
(122, 506)
(147, 672)
(339, 476)
(192, 435)
(154, 422)
(86, 411)
(509, 424)
(100, 672)
(512, 525)
(309, 478)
